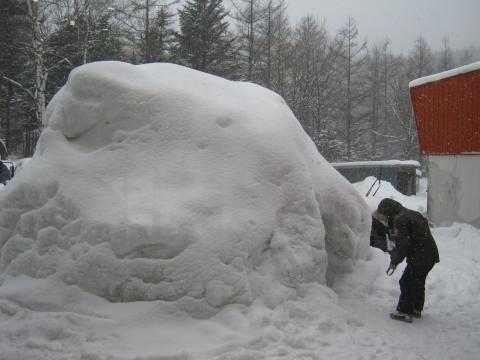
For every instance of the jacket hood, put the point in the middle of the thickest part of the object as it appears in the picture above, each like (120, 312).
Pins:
(389, 207)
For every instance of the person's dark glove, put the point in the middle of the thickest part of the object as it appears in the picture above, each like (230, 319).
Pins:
(391, 269)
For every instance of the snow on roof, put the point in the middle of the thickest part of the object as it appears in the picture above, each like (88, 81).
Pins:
(383, 163)
(446, 74)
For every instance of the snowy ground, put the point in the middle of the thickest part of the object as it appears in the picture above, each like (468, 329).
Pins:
(349, 322)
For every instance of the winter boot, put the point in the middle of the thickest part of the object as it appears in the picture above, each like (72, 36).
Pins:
(401, 316)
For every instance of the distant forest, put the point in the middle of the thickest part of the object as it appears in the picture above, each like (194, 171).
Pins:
(350, 96)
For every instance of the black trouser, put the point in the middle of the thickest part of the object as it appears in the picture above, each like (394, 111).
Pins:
(412, 288)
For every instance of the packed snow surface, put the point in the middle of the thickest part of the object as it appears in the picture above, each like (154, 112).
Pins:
(347, 321)
(386, 190)
(158, 182)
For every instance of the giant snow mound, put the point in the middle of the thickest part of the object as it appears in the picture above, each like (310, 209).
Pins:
(157, 182)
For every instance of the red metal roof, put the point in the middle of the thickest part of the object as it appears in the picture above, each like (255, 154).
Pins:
(447, 113)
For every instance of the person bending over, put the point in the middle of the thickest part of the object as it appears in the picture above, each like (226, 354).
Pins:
(413, 240)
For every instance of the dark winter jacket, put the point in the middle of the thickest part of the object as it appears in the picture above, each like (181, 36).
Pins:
(411, 233)
(378, 235)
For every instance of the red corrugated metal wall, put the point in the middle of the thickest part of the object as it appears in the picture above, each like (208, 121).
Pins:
(447, 113)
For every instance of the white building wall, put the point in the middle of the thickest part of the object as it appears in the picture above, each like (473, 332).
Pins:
(454, 189)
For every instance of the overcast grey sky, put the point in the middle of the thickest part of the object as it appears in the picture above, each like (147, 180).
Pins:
(399, 20)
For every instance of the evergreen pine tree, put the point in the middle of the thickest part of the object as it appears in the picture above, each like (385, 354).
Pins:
(162, 35)
(204, 42)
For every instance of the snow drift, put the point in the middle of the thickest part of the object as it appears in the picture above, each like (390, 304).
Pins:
(157, 182)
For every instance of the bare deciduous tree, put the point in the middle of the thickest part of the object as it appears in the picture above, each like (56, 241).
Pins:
(353, 55)
(445, 60)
